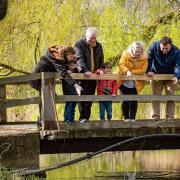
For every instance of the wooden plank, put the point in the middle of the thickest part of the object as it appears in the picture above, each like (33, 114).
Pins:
(48, 113)
(3, 116)
(8, 103)
(19, 79)
(80, 76)
(118, 98)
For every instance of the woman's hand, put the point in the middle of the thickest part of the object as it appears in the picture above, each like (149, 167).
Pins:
(88, 74)
(129, 74)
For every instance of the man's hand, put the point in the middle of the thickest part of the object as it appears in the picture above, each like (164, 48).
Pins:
(129, 74)
(78, 88)
(101, 72)
(87, 74)
(150, 74)
(175, 80)
(69, 71)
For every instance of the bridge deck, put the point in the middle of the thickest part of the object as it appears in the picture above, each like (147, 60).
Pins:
(95, 135)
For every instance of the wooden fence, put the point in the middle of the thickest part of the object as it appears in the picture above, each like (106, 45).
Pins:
(49, 100)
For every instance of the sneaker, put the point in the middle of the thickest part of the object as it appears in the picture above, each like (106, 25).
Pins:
(132, 120)
(39, 124)
(156, 117)
(83, 120)
(126, 120)
(170, 119)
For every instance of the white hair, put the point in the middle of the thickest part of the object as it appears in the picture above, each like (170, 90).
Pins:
(91, 30)
(134, 45)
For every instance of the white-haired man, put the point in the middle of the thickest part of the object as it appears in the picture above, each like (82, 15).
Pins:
(90, 57)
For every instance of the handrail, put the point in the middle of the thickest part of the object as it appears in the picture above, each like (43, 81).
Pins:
(9, 103)
(49, 80)
(80, 76)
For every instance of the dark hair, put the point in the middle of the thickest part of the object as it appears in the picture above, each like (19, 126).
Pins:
(107, 65)
(68, 50)
(166, 40)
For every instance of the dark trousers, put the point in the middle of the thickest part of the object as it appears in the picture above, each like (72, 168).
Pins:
(129, 108)
(89, 88)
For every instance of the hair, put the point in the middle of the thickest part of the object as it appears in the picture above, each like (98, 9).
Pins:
(136, 44)
(91, 30)
(107, 65)
(166, 40)
(61, 52)
(65, 50)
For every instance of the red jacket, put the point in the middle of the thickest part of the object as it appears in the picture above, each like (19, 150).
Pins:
(106, 87)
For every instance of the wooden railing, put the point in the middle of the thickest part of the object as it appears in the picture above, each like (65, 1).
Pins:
(49, 100)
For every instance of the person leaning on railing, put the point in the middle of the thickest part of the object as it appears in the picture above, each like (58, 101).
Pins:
(164, 58)
(90, 57)
(55, 60)
(132, 62)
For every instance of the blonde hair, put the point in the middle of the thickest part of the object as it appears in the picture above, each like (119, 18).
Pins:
(134, 45)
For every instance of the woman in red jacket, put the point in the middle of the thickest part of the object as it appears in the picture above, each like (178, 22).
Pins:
(106, 87)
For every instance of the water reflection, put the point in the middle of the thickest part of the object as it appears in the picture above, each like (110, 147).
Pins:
(117, 165)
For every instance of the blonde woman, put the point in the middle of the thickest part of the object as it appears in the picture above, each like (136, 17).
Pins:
(132, 62)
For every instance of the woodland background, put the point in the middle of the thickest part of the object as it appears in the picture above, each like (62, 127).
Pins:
(31, 26)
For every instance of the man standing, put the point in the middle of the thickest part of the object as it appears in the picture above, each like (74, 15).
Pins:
(90, 57)
(164, 58)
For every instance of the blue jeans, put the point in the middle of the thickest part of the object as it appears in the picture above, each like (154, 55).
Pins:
(105, 106)
(69, 111)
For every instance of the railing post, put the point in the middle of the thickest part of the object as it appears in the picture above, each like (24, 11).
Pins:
(3, 116)
(48, 112)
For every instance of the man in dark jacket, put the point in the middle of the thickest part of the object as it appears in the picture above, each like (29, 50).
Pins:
(164, 58)
(90, 57)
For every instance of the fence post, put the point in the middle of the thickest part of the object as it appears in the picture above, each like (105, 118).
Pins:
(48, 112)
(3, 116)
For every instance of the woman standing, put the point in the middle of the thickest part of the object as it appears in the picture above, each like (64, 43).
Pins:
(56, 59)
(132, 62)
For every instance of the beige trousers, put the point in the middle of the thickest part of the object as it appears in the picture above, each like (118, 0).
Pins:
(157, 88)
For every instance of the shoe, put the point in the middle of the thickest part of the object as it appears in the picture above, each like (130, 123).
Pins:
(109, 120)
(39, 124)
(126, 120)
(170, 119)
(132, 120)
(69, 122)
(102, 120)
(156, 117)
(83, 120)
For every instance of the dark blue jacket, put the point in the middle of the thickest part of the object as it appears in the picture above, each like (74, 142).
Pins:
(84, 56)
(160, 63)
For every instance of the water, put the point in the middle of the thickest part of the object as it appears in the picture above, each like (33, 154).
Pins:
(164, 164)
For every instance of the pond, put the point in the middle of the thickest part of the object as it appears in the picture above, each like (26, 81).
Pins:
(162, 164)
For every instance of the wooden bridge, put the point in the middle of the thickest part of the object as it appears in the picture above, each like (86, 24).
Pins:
(58, 137)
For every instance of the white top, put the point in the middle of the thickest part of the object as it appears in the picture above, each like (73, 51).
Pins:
(129, 83)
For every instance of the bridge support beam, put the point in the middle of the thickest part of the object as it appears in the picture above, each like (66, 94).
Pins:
(48, 112)
(3, 116)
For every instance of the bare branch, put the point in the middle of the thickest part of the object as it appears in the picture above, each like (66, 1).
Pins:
(13, 69)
